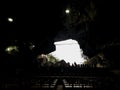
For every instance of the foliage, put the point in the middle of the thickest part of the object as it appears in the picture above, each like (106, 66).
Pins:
(52, 58)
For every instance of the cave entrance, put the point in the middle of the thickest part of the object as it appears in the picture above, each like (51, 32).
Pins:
(69, 51)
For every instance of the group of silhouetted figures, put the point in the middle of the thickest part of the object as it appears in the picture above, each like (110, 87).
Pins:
(58, 76)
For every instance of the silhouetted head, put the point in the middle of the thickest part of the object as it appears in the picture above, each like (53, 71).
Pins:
(60, 85)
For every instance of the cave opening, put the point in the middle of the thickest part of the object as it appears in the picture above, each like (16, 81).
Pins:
(69, 51)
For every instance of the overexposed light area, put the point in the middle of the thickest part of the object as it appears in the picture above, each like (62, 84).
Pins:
(68, 50)
(67, 11)
(10, 19)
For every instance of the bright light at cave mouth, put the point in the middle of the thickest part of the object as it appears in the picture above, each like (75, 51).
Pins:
(69, 50)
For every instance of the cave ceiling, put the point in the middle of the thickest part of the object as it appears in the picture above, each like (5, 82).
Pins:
(93, 23)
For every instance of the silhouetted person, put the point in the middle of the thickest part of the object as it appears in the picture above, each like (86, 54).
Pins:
(59, 85)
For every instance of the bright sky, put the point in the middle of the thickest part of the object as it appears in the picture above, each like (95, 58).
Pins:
(69, 50)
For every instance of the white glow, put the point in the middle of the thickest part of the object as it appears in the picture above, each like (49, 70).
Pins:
(8, 49)
(69, 51)
(11, 49)
(32, 47)
(10, 19)
(67, 11)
